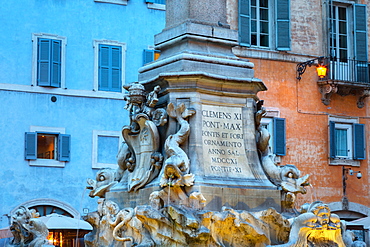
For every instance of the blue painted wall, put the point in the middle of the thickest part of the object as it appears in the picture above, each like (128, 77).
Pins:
(22, 106)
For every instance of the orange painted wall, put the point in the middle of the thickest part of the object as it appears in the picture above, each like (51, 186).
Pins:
(307, 130)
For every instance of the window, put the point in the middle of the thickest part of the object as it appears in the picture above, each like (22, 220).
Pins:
(347, 140)
(150, 55)
(156, 4)
(257, 19)
(48, 60)
(348, 41)
(105, 148)
(121, 2)
(276, 128)
(109, 64)
(44, 148)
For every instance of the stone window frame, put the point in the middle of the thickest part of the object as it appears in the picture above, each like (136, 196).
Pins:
(95, 137)
(343, 161)
(120, 2)
(35, 37)
(47, 162)
(96, 44)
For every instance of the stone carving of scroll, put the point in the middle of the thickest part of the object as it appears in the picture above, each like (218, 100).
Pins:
(287, 177)
(27, 230)
(139, 159)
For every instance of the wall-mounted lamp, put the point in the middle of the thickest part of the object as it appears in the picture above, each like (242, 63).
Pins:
(320, 68)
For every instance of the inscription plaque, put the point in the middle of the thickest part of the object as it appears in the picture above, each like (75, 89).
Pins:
(223, 142)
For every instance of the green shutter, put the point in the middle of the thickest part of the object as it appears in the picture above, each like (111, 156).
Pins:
(110, 68)
(116, 66)
(56, 63)
(361, 42)
(279, 136)
(332, 140)
(43, 62)
(244, 23)
(360, 32)
(359, 150)
(282, 14)
(104, 67)
(64, 146)
(148, 56)
(30, 146)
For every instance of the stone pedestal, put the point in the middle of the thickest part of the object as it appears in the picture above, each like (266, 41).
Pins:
(197, 68)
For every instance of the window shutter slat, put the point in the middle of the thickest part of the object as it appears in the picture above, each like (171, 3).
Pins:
(282, 25)
(64, 146)
(359, 150)
(360, 32)
(104, 68)
(43, 62)
(361, 42)
(56, 63)
(332, 140)
(279, 136)
(148, 56)
(244, 22)
(30, 146)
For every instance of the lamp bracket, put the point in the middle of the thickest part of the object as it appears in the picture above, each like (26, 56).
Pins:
(301, 67)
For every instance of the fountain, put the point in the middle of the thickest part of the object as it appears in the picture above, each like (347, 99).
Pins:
(196, 168)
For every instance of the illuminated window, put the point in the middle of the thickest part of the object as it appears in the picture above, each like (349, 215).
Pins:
(47, 146)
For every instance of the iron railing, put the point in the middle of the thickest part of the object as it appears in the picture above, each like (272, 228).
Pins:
(348, 70)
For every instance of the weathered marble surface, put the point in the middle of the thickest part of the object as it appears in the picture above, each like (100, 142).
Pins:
(28, 231)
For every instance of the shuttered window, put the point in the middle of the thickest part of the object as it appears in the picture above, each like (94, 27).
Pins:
(110, 68)
(257, 19)
(279, 137)
(47, 146)
(347, 141)
(49, 62)
(150, 55)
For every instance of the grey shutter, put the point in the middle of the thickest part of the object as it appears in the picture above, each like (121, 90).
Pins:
(30, 147)
(359, 150)
(244, 23)
(332, 141)
(279, 136)
(282, 8)
(361, 42)
(64, 147)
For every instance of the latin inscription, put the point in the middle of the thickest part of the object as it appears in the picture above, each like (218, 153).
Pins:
(223, 141)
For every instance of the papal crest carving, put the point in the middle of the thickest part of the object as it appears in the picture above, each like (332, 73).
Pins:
(144, 145)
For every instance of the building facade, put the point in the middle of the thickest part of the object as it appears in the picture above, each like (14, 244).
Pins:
(73, 98)
(63, 65)
(325, 130)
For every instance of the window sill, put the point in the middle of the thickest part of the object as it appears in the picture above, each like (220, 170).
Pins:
(47, 163)
(120, 2)
(344, 162)
(156, 6)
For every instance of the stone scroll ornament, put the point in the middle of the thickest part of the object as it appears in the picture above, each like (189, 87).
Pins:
(28, 231)
(287, 177)
(139, 159)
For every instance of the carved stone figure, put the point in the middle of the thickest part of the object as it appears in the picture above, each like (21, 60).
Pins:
(27, 230)
(317, 227)
(287, 177)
